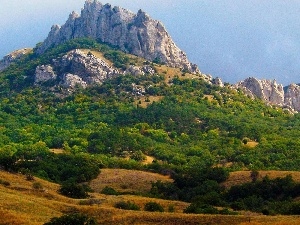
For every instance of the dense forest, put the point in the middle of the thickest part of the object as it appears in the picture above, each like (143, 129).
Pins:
(196, 131)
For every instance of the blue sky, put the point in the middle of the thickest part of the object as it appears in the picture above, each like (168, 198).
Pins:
(231, 39)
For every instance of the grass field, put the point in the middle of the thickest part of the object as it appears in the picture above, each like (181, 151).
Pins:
(21, 203)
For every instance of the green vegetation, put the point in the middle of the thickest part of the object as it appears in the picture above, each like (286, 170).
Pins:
(109, 191)
(71, 219)
(73, 190)
(127, 205)
(197, 133)
(153, 207)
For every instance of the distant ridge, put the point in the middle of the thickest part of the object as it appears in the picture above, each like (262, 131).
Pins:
(136, 34)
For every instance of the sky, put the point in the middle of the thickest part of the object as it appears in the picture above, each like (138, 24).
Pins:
(232, 39)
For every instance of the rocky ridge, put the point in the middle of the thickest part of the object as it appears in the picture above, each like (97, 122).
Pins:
(137, 34)
(12, 57)
(76, 68)
(272, 93)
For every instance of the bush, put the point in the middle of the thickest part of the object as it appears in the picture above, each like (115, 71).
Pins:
(72, 219)
(153, 207)
(4, 183)
(37, 186)
(109, 191)
(127, 205)
(73, 190)
(199, 208)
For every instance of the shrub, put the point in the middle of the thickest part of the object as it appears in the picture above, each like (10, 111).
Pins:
(73, 190)
(109, 191)
(171, 208)
(153, 207)
(4, 182)
(37, 186)
(72, 219)
(127, 205)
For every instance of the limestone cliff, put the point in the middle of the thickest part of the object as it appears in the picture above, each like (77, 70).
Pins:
(137, 34)
(272, 93)
(75, 69)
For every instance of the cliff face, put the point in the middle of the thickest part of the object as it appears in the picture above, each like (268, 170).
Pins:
(75, 69)
(137, 34)
(272, 93)
(12, 57)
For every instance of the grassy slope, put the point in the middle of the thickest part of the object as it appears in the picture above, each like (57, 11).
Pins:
(126, 180)
(20, 203)
(241, 177)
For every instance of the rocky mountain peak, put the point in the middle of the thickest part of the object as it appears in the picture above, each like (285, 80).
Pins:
(137, 34)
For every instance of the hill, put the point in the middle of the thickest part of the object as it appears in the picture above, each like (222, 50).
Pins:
(21, 200)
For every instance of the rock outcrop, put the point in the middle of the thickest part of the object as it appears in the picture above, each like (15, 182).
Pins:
(267, 90)
(292, 97)
(12, 57)
(272, 93)
(217, 81)
(137, 34)
(44, 73)
(76, 68)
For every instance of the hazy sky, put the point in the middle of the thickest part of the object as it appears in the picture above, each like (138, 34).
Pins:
(231, 39)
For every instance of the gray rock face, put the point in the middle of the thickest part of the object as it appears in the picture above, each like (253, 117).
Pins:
(292, 97)
(137, 34)
(217, 81)
(75, 69)
(72, 81)
(91, 69)
(12, 57)
(44, 73)
(272, 93)
(267, 90)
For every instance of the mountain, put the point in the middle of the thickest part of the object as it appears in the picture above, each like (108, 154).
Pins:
(137, 34)
(79, 103)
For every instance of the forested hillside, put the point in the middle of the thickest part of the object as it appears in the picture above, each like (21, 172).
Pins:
(194, 130)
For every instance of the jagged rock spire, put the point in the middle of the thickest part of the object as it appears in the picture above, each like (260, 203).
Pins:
(137, 34)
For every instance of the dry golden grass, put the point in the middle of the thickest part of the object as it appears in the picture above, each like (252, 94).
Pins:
(251, 144)
(240, 177)
(126, 180)
(98, 55)
(170, 73)
(148, 160)
(209, 97)
(21, 204)
(57, 150)
(150, 100)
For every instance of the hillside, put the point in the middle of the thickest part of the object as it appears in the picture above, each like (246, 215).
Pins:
(20, 202)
